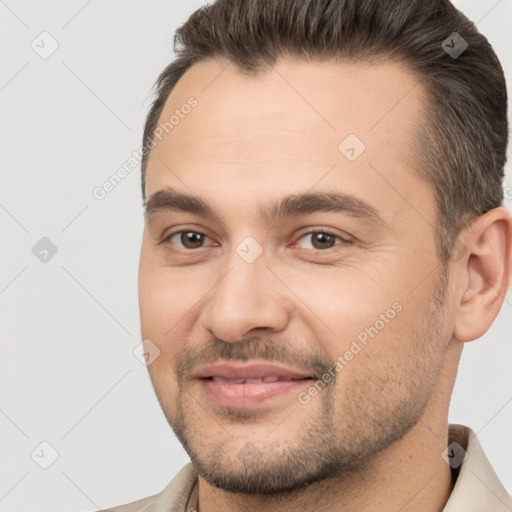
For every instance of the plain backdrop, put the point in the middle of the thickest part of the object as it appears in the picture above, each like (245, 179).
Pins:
(69, 377)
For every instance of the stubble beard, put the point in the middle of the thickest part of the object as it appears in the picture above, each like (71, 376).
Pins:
(353, 423)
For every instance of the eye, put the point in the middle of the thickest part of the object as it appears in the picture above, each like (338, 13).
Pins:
(187, 239)
(321, 240)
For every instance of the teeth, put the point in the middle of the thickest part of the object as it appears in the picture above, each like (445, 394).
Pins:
(237, 381)
(270, 378)
(232, 381)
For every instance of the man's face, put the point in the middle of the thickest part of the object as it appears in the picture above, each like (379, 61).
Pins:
(336, 313)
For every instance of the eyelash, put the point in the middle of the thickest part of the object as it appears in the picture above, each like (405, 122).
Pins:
(316, 231)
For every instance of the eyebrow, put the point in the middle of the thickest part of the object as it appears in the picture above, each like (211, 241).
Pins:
(294, 205)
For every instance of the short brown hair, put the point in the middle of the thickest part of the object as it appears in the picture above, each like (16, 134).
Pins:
(461, 146)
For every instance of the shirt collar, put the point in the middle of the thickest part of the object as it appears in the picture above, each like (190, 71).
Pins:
(477, 486)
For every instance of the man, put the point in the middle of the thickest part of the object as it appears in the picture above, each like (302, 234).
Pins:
(324, 231)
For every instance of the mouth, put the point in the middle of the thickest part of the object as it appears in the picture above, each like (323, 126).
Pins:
(248, 386)
(257, 380)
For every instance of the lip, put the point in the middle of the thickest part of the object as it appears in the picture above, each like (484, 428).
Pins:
(248, 371)
(249, 395)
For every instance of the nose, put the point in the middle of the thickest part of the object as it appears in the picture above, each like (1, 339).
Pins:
(246, 296)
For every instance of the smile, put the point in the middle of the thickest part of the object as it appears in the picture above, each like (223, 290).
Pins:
(249, 386)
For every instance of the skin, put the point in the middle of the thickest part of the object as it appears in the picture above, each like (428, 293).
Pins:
(373, 438)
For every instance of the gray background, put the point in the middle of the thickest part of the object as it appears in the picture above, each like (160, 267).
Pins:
(69, 326)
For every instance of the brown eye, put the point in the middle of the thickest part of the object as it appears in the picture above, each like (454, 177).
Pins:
(188, 239)
(321, 240)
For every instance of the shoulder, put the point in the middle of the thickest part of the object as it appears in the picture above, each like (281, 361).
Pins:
(173, 497)
(144, 505)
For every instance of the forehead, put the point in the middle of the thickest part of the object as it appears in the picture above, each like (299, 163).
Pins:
(287, 126)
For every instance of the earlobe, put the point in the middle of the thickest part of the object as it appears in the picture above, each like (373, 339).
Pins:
(486, 274)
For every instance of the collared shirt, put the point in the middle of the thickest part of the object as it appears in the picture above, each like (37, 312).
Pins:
(476, 489)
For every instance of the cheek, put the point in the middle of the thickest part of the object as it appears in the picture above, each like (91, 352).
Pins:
(166, 297)
(343, 303)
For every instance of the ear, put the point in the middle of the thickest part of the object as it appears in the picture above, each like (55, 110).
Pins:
(484, 272)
